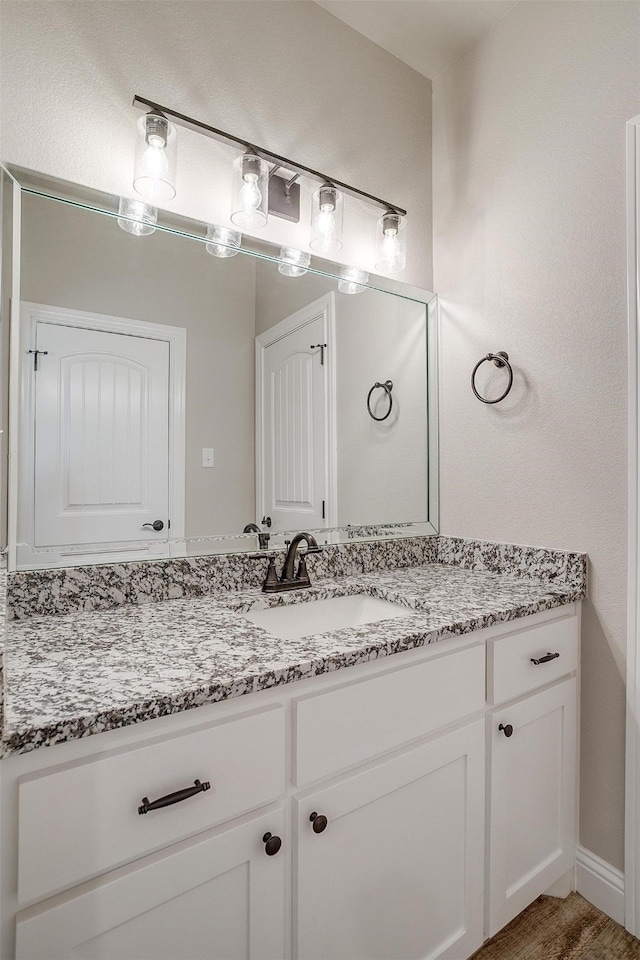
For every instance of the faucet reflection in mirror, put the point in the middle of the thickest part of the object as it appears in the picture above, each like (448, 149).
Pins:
(257, 191)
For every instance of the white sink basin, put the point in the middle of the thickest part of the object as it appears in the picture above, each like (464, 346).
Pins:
(323, 616)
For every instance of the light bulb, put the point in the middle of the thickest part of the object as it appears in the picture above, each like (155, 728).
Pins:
(251, 183)
(326, 220)
(250, 196)
(391, 255)
(155, 164)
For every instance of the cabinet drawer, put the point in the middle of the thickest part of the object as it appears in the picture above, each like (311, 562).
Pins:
(82, 819)
(510, 667)
(354, 723)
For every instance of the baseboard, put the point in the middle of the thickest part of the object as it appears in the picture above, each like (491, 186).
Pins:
(600, 883)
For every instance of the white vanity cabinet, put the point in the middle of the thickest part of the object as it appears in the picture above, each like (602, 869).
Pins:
(411, 826)
(219, 897)
(531, 756)
(390, 860)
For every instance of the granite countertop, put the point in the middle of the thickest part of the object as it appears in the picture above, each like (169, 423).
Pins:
(74, 675)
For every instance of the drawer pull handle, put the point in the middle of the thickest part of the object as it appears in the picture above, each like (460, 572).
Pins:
(319, 822)
(507, 730)
(549, 656)
(271, 844)
(176, 797)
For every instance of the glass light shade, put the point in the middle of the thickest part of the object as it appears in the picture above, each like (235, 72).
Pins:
(294, 262)
(391, 246)
(224, 242)
(352, 280)
(141, 218)
(250, 192)
(154, 174)
(326, 220)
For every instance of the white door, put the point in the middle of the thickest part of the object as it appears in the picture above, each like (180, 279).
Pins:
(294, 421)
(398, 872)
(217, 898)
(532, 799)
(101, 448)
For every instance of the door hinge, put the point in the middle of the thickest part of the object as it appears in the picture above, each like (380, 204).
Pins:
(321, 347)
(323, 510)
(36, 354)
(168, 524)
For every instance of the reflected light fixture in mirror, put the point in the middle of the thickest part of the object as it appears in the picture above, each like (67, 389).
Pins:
(391, 248)
(250, 191)
(326, 220)
(136, 217)
(154, 173)
(294, 262)
(224, 242)
(352, 280)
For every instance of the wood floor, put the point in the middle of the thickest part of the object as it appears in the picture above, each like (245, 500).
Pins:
(552, 929)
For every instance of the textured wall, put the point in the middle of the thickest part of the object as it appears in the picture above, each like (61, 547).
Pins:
(529, 235)
(288, 76)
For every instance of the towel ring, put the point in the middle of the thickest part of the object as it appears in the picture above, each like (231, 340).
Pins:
(387, 386)
(500, 359)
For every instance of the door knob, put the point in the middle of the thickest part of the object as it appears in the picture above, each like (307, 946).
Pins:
(507, 730)
(157, 525)
(271, 844)
(319, 822)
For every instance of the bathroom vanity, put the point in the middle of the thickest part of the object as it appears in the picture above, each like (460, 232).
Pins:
(401, 788)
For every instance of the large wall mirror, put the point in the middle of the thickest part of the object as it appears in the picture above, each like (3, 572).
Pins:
(162, 399)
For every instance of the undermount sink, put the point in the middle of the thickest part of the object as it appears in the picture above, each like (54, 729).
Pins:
(323, 616)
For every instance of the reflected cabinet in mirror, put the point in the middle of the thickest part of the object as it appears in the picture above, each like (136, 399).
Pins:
(168, 401)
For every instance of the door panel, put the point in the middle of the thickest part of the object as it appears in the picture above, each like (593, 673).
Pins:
(532, 799)
(294, 428)
(101, 436)
(217, 898)
(398, 871)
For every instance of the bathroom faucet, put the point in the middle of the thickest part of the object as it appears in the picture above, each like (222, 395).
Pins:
(287, 581)
(263, 538)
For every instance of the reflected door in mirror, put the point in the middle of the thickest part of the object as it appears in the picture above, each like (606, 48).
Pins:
(101, 436)
(295, 424)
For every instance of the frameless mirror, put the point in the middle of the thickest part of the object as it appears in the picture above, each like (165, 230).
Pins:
(166, 397)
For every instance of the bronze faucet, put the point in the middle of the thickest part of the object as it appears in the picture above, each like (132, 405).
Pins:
(286, 581)
(263, 538)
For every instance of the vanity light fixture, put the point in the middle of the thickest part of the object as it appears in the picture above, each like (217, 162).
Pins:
(391, 252)
(224, 242)
(326, 220)
(249, 203)
(154, 174)
(293, 263)
(264, 184)
(136, 217)
(353, 280)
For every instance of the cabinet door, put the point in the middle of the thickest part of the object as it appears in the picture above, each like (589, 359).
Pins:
(532, 806)
(398, 870)
(219, 898)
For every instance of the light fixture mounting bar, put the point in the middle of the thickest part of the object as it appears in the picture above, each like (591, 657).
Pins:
(198, 127)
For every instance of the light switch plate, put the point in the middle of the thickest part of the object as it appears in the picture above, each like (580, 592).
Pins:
(207, 456)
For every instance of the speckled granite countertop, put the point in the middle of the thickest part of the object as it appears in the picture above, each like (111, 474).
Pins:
(78, 674)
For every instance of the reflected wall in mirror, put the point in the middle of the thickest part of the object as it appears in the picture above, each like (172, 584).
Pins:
(168, 397)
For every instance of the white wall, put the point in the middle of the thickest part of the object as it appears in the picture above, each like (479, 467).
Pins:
(529, 233)
(286, 75)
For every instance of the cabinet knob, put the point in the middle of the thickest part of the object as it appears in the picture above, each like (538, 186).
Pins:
(507, 729)
(319, 822)
(271, 844)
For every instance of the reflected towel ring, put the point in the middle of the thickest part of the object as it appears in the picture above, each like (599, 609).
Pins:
(500, 359)
(387, 386)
